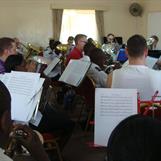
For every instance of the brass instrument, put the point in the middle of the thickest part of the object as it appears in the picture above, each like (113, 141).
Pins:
(33, 50)
(38, 62)
(63, 48)
(96, 44)
(14, 148)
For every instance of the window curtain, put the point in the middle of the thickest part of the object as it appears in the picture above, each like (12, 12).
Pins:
(100, 24)
(57, 22)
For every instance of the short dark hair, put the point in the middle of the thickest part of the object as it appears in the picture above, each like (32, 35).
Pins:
(137, 138)
(5, 43)
(5, 99)
(12, 62)
(97, 56)
(136, 45)
(78, 36)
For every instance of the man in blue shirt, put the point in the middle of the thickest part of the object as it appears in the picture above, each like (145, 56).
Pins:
(7, 47)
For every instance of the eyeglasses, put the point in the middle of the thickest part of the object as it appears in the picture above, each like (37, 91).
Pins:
(84, 41)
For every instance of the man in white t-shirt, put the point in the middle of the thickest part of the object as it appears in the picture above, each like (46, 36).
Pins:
(136, 74)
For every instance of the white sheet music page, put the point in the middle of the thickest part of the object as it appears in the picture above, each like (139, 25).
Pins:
(111, 107)
(51, 66)
(75, 72)
(23, 87)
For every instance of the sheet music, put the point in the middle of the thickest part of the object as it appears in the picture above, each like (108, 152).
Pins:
(75, 72)
(150, 61)
(112, 106)
(51, 66)
(25, 91)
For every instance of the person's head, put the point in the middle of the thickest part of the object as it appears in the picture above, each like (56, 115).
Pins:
(7, 47)
(5, 109)
(80, 41)
(57, 51)
(70, 40)
(15, 63)
(87, 47)
(98, 57)
(136, 47)
(156, 39)
(51, 43)
(17, 41)
(136, 138)
(110, 38)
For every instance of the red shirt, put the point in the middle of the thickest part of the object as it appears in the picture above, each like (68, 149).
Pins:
(74, 54)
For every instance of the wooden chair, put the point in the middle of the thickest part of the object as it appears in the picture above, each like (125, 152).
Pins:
(51, 144)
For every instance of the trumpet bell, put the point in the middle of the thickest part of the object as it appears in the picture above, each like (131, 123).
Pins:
(96, 44)
(62, 47)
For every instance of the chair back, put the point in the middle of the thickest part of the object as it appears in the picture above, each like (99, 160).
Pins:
(87, 90)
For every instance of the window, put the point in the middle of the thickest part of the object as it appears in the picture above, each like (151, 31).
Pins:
(78, 21)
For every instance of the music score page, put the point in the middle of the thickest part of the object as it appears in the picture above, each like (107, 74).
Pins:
(111, 107)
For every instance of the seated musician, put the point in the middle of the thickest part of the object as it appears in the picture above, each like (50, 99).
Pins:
(77, 52)
(50, 53)
(53, 121)
(136, 75)
(70, 44)
(153, 46)
(136, 138)
(96, 72)
(7, 47)
(31, 141)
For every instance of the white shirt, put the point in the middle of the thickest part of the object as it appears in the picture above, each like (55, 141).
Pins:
(98, 75)
(147, 81)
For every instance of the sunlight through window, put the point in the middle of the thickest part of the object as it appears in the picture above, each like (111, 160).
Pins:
(76, 22)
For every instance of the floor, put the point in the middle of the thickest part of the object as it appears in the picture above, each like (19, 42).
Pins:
(78, 148)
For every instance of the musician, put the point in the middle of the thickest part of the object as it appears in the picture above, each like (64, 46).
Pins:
(50, 53)
(31, 142)
(7, 47)
(70, 44)
(153, 46)
(53, 121)
(95, 71)
(136, 138)
(136, 75)
(77, 52)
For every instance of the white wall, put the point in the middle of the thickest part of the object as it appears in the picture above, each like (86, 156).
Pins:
(31, 20)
